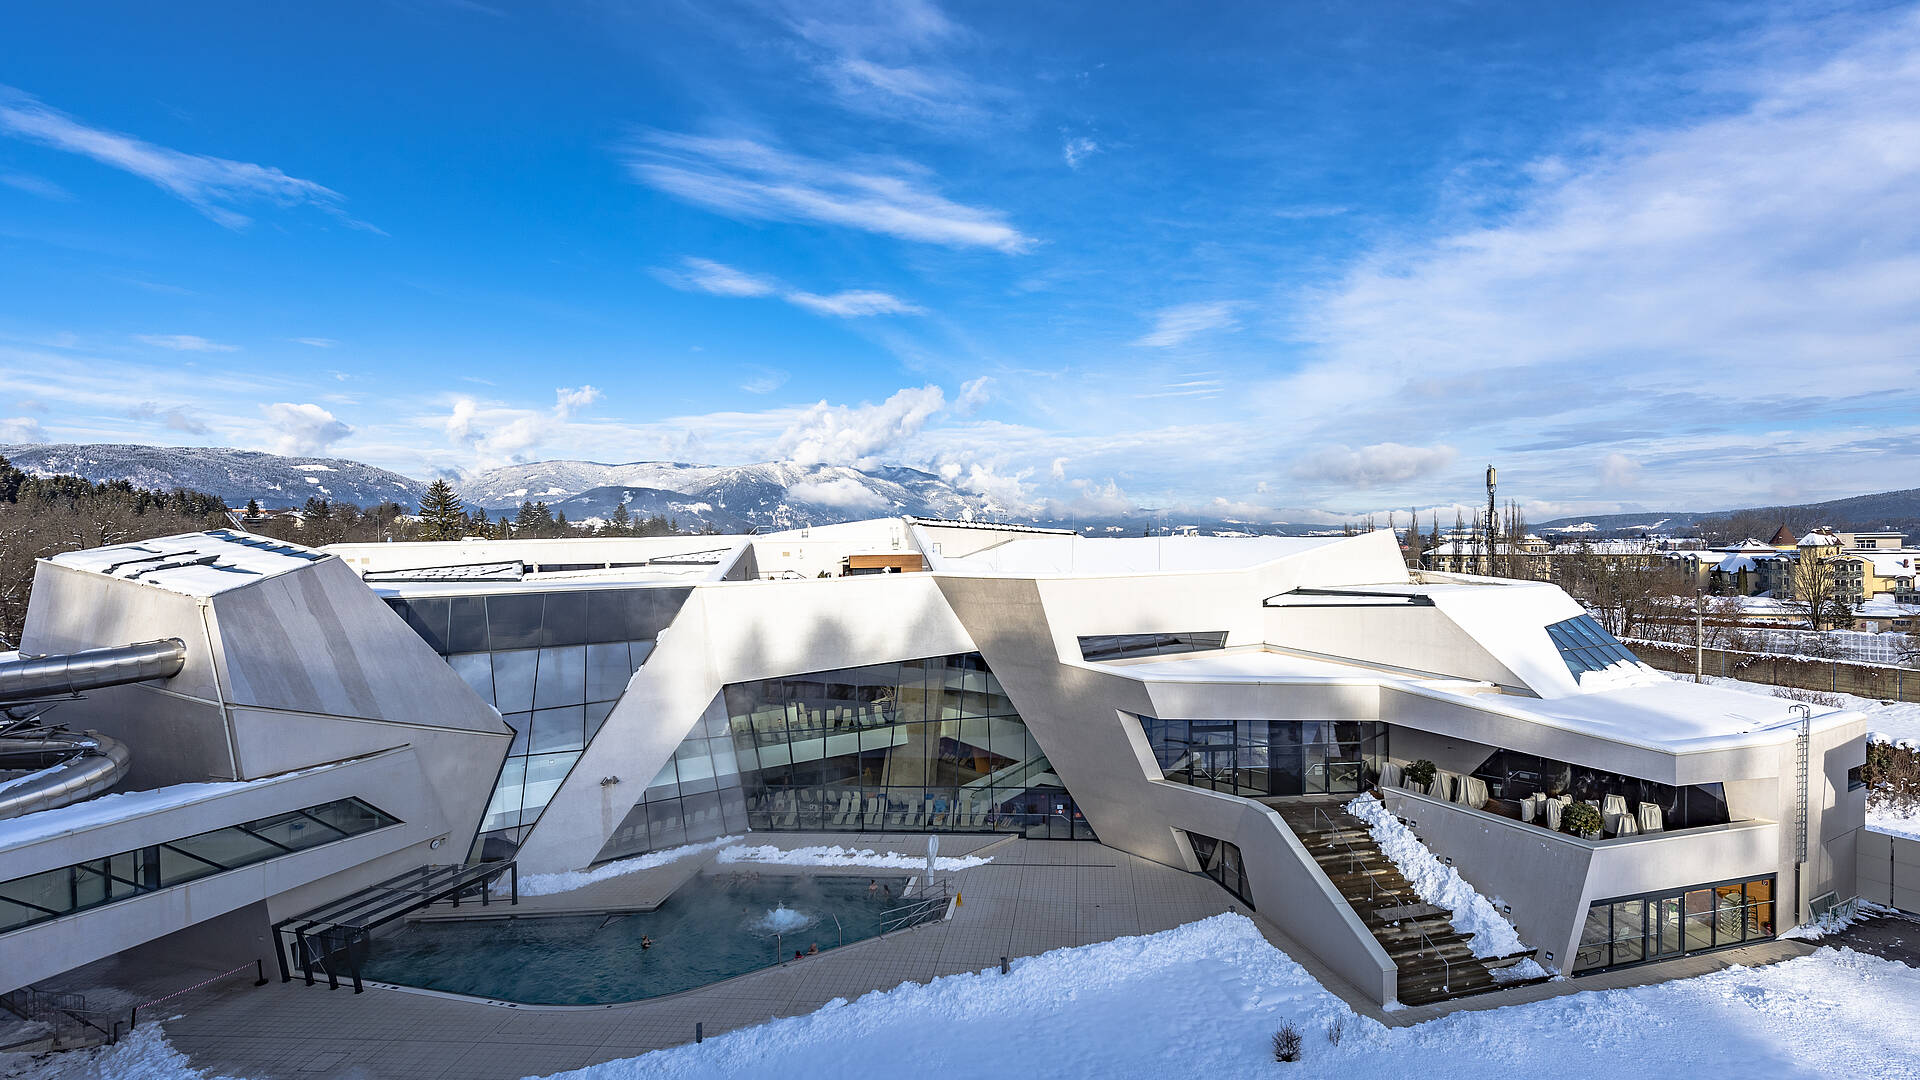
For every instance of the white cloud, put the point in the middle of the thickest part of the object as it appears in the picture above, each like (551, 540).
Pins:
(569, 400)
(1619, 470)
(858, 435)
(747, 179)
(885, 59)
(1174, 326)
(183, 343)
(500, 434)
(1078, 149)
(854, 303)
(705, 275)
(1058, 470)
(974, 393)
(305, 430)
(316, 342)
(763, 380)
(843, 492)
(36, 185)
(21, 429)
(172, 417)
(1372, 466)
(210, 185)
(1666, 285)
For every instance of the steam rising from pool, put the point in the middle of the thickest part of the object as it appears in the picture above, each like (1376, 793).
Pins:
(784, 920)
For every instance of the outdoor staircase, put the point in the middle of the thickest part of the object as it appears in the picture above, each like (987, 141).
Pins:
(1436, 961)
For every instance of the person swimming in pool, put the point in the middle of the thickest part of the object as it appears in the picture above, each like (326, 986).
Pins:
(646, 942)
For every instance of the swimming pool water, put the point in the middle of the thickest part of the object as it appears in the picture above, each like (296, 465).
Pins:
(712, 928)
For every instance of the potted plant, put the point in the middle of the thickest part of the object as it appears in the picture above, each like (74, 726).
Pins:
(1420, 775)
(1582, 820)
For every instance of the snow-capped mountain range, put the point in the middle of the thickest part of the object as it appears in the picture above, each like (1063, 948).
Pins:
(771, 495)
(234, 475)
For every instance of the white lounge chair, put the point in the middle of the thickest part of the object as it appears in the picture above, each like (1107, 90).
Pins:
(876, 812)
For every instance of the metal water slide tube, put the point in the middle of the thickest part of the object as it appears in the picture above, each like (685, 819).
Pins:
(71, 767)
(32, 677)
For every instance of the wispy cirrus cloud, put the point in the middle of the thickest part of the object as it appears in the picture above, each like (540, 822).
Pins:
(316, 342)
(183, 343)
(719, 279)
(743, 178)
(892, 60)
(1176, 325)
(212, 185)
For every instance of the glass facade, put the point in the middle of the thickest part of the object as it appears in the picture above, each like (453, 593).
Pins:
(1586, 646)
(1122, 646)
(926, 745)
(53, 893)
(1268, 757)
(1660, 926)
(1221, 861)
(553, 663)
(1513, 776)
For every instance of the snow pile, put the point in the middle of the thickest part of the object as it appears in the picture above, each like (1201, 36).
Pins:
(142, 1054)
(839, 856)
(1438, 883)
(1836, 920)
(1618, 675)
(549, 884)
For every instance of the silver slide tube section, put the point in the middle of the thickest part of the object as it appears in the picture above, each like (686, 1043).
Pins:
(89, 669)
(94, 764)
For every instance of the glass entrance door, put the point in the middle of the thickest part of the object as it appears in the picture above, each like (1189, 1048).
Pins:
(1664, 934)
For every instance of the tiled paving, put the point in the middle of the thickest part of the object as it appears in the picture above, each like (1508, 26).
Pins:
(1034, 896)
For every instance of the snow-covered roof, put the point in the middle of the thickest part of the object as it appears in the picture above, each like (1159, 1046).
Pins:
(1890, 564)
(196, 564)
(1819, 538)
(1074, 554)
(1734, 564)
(1676, 715)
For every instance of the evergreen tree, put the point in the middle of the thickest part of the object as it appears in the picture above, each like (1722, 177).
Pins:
(622, 522)
(445, 516)
(253, 510)
(560, 523)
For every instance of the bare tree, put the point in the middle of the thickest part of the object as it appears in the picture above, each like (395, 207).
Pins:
(1816, 594)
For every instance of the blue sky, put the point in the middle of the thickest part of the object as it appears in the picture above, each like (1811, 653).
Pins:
(1250, 258)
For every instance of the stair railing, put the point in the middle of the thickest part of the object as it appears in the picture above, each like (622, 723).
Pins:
(1446, 966)
(1356, 862)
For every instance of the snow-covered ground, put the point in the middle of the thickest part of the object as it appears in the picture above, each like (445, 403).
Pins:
(1205, 1000)
(1438, 883)
(549, 884)
(839, 856)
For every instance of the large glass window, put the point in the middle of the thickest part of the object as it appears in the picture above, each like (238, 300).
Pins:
(1586, 646)
(1268, 757)
(1658, 926)
(1122, 646)
(916, 746)
(1221, 861)
(53, 893)
(1512, 776)
(554, 663)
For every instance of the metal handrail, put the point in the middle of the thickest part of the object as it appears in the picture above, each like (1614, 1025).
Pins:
(1355, 860)
(1446, 966)
(919, 911)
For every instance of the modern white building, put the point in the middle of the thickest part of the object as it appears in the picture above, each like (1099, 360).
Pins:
(1190, 700)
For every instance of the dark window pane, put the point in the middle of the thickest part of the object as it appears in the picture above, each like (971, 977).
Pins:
(562, 677)
(564, 621)
(513, 620)
(467, 624)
